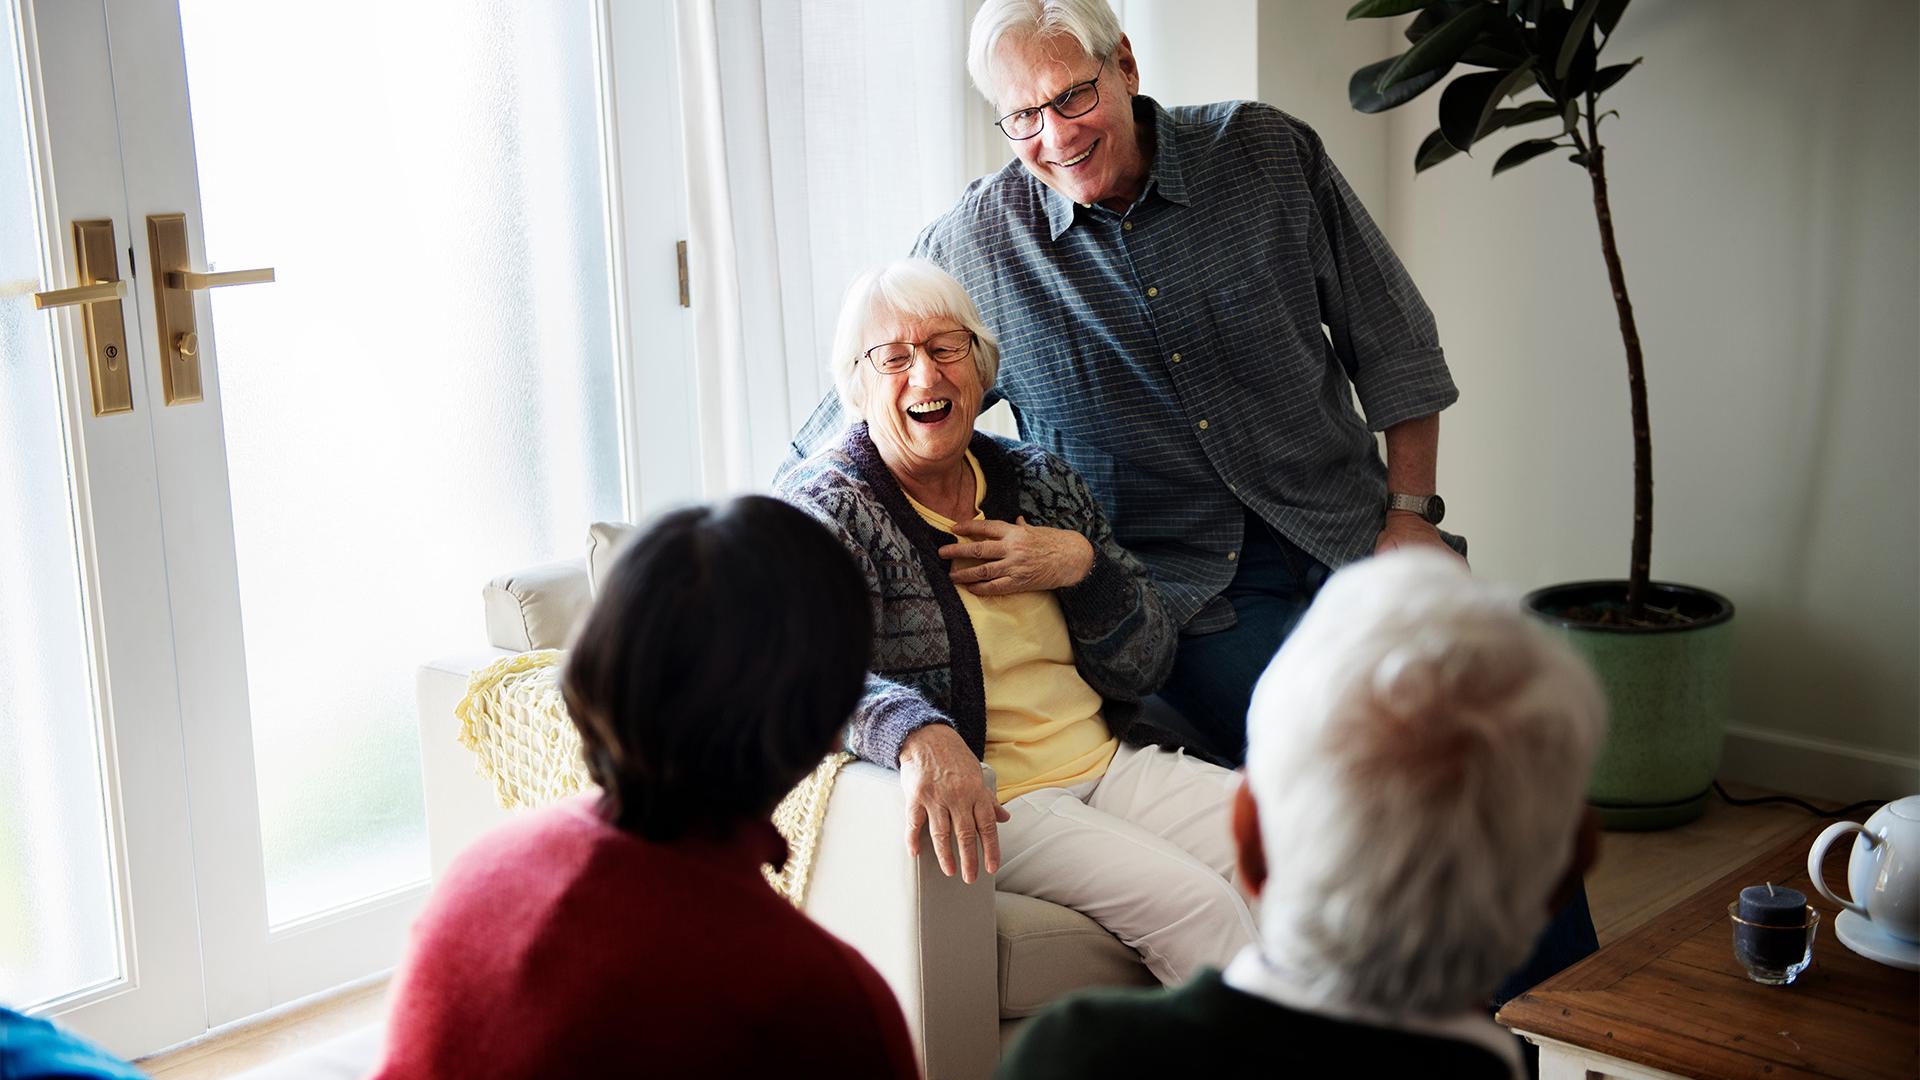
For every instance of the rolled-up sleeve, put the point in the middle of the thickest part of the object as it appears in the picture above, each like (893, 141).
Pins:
(1383, 332)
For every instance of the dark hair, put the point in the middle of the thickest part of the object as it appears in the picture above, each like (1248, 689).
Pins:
(727, 647)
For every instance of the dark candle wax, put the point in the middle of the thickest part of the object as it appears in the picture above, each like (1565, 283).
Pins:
(1781, 937)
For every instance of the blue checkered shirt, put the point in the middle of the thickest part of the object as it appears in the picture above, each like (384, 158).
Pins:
(1199, 355)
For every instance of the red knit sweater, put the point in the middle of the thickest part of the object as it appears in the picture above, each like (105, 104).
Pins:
(560, 946)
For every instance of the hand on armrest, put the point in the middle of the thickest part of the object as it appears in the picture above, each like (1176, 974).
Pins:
(949, 797)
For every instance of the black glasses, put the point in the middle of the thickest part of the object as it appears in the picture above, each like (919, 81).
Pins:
(946, 347)
(1076, 100)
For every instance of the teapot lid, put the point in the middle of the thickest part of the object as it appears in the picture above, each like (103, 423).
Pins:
(1907, 808)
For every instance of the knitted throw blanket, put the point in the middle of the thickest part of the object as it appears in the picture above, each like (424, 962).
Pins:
(515, 722)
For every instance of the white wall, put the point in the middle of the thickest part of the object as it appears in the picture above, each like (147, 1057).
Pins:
(1193, 51)
(1307, 52)
(1764, 180)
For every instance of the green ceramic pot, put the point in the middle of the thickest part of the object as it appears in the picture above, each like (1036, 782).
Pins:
(1670, 691)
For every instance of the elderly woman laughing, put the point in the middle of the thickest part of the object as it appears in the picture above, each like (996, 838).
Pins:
(1012, 629)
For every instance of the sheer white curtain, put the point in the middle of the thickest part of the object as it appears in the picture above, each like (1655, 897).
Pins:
(821, 136)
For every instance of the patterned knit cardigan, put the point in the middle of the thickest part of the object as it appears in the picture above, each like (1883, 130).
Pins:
(926, 660)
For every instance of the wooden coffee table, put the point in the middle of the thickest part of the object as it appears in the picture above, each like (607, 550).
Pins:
(1670, 1000)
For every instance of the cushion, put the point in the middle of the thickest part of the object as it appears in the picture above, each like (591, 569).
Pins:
(604, 541)
(1047, 950)
(536, 608)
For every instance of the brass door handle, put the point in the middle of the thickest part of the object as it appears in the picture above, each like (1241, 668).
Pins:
(187, 279)
(97, 262)
(173, 288)
(80, 294)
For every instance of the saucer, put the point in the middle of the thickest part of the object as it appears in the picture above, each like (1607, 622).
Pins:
(1874, 943)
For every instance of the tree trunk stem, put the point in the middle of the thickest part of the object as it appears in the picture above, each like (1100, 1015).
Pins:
(1637, 573)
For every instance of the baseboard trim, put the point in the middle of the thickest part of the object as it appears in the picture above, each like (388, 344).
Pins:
(1820, 768)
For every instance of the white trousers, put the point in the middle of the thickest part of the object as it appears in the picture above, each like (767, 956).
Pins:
(1145, 851)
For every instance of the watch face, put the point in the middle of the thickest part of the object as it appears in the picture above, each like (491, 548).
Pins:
(1436, 509)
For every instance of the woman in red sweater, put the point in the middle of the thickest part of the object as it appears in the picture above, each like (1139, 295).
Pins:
(630, 932)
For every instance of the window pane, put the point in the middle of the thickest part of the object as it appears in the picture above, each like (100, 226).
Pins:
(58, 932)
(423, 400)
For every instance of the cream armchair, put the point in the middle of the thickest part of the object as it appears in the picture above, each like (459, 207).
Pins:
(968, 964)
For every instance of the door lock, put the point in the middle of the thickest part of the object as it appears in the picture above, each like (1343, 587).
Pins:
(173, 287)
(99, 265)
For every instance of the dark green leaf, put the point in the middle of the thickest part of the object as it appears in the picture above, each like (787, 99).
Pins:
(1435, 13)
(1501, 46)
(1439, 50)
(1580, 74)
(1521, 153)
(1604, 79)
(1482, 54)
(1462, 104)
(1549, 32)
(1609, 15)
(1434, 149)
(1468, 102)
(1579, 32)
(1571, 122)
(1364, 94)
(1578, 159)
(1424, 23)
(1523, 114)
(1383, 9)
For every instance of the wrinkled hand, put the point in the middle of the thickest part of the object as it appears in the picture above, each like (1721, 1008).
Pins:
(947, 795)
(1018, 557)
(1406, 529)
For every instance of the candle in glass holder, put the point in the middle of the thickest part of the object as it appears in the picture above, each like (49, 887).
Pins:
(1772, 930)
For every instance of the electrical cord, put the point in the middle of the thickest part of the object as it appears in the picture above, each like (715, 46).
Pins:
(1845, 811)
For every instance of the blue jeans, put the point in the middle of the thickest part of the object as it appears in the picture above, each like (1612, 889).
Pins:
(1212, 684)
(1213, 674)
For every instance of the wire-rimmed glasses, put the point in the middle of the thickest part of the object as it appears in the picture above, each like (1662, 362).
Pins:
(1076, 100)
(945, 347)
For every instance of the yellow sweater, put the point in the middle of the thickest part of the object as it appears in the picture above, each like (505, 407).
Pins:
(1044, 727)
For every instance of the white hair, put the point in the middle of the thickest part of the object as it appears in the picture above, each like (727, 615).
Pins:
(911, 289)
(1419, 752)
(1091, 23)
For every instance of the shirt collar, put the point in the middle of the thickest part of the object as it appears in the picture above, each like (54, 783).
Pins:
(1165, 176)
(1252, 973)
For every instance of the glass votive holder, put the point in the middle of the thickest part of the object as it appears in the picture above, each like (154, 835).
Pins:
(1773, 955)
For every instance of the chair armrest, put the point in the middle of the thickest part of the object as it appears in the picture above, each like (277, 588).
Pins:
(461, 804)
(930, 936)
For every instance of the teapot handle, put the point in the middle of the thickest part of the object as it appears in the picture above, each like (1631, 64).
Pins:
(1819, 853)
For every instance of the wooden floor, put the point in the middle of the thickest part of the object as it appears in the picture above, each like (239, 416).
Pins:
(1638, 876)
(278, 1034)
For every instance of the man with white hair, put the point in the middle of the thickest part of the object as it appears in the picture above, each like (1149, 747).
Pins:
(1188, 300)
(1412, 812)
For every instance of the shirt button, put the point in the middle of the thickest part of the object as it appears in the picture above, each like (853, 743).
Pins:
(1127, 225)
(1233, 556)
(1152, 292)
(1203, 425)
(1176, 358)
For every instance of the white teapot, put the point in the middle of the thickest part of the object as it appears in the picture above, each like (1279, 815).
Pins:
(1882, 920)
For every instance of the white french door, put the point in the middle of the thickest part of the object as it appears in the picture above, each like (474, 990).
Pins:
(233, 545)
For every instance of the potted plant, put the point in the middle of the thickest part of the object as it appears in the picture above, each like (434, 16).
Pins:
(1662, 651)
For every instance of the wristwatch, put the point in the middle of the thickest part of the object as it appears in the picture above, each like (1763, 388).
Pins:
(1431, 508)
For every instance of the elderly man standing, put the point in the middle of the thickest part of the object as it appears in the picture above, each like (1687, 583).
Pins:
(1188, 300)
(1411, 813)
